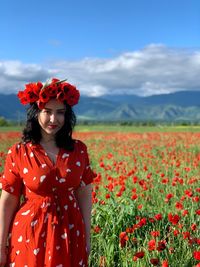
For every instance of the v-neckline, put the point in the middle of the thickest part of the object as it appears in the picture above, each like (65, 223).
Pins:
(49, 158)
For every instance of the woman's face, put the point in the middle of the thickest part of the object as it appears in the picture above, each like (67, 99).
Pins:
(51, 118)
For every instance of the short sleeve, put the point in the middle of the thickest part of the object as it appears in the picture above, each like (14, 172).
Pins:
(88, 173)
(10, 180)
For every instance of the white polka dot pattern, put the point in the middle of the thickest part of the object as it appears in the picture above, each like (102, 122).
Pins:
(49, 223)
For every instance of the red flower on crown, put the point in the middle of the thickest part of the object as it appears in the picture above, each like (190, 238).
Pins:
(60, 90)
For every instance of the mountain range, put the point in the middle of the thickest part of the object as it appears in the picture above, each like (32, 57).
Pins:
(179, 106)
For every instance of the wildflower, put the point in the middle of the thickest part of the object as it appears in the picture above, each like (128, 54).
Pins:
(134, 196)
(196, 199)
(123, 239)
(174, 219)
(142, 222)
(158, 217)
(186, 235)
(155, 233)
(161, 246)
(165, 263)
(196, 255)
(154, 261)
(97, 229)
(107, 196)
(139, 254)
(193, 227)
(185, 212)
(179, 206)
(198, 212)
(176, 232)
(152, 245)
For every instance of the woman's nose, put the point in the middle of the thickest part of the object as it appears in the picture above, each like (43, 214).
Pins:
(53, 117)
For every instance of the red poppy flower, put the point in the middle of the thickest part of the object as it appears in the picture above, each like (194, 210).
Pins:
(165, 263)
(174, 219)
(66, 87)
(52, 90)
(155, 233)
(161, 246)
(152, 245)
(23, 98)
(176, 232)
(139, 254)
(97, 229)
(196, 199)
(123, 239)
(43, 93)
(33, 87)
(142, 222)
(73, 96)
(41, 104)
(134, 196)
(154, 261)
(198, 212)
(39, 85)
(186, 235)
(185, 212)
(61, 96)
(196, 255)
(32, 97)
(193, 227)
(158, 217)
(44, 96)
(55, 80)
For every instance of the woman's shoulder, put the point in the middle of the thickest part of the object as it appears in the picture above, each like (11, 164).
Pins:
(15, 147)
(18, 147)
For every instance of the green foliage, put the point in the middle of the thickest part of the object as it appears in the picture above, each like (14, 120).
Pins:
(3, 122)
(150, 164)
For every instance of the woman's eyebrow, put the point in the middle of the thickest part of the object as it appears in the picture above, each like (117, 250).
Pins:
(61, 109)
(56, 109)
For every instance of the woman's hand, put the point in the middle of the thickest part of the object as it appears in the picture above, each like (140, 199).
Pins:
(3, 256)
(88, 248)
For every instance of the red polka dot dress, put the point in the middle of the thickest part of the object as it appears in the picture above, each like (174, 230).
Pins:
(48, 229)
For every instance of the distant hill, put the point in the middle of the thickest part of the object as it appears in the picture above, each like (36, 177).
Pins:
(179, 106)
(183, 99)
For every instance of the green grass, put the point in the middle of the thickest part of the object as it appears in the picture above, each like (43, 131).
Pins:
(138, 129)
(10, 129)
(119, 128)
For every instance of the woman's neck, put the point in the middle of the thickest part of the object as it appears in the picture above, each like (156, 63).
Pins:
(48, 142)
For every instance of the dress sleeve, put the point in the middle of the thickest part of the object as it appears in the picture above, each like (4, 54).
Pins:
(88, 173)
(11, 180)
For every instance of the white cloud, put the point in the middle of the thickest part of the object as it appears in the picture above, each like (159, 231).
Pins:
(156, 69)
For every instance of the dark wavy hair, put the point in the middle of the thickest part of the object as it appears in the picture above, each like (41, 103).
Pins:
(63, 138)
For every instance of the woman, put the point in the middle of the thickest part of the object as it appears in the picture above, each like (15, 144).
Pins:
(51, 227)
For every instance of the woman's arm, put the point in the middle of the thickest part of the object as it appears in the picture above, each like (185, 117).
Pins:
(8, 205)
(84, 198)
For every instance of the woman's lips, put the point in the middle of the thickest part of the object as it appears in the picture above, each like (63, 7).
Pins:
(52, 126)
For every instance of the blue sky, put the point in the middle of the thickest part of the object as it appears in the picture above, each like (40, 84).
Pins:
(123, 46)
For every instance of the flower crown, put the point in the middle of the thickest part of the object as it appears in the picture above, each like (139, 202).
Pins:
(42, 93)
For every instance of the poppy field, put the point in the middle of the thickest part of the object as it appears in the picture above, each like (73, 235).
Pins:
(146, 197)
